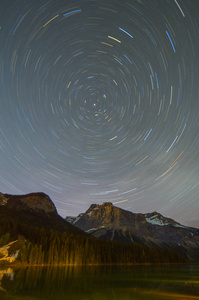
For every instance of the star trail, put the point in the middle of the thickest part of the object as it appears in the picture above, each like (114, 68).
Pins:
(99, 103)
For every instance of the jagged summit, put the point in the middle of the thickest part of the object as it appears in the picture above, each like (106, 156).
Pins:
(105, 214)
(107, 204)
(96, 206)
(122, 217)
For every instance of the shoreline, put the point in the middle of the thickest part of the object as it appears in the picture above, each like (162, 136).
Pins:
(26, 265)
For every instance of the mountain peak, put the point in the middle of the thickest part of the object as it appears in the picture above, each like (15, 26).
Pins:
(109, 222)
(105, 209)
(156, 218)
(107, 204)
(96, 206)
(33, 201)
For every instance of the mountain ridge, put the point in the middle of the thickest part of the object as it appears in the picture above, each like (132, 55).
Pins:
(34, 201)
(32, 232)
(109, 222)
(33, 209)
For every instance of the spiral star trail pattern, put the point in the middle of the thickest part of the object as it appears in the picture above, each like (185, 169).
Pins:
(99, 102)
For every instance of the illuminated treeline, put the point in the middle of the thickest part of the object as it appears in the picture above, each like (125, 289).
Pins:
(44, 246)
(77, 250)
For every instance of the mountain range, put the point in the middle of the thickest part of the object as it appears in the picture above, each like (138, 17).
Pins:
(32, 232)
(109, 222)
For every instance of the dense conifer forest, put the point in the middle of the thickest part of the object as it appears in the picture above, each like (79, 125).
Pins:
(44, 246)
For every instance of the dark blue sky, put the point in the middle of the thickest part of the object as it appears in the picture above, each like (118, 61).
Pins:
(99, 102)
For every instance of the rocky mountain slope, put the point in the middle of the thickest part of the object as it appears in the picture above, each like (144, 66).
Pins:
(35, 209)
(109, 222)
(33, 201)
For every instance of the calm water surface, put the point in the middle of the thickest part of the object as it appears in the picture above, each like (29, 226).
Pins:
(100, 283)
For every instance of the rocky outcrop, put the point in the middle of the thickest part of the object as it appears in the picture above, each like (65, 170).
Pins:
(10, 251)
(33, 201)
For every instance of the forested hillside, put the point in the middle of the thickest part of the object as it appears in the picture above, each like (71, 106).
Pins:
(44, 246)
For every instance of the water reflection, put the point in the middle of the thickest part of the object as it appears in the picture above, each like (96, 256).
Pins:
(8, 272)
(107, 282)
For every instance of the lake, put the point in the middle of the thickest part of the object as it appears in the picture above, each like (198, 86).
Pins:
(100, 283)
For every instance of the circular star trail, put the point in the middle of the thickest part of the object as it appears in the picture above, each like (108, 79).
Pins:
(99, 102)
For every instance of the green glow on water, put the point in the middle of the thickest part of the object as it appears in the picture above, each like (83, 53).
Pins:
(101, 282)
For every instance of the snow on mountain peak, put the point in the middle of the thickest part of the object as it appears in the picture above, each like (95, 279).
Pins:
(156, 219)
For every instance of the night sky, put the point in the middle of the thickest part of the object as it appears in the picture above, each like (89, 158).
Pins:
(99, 103)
